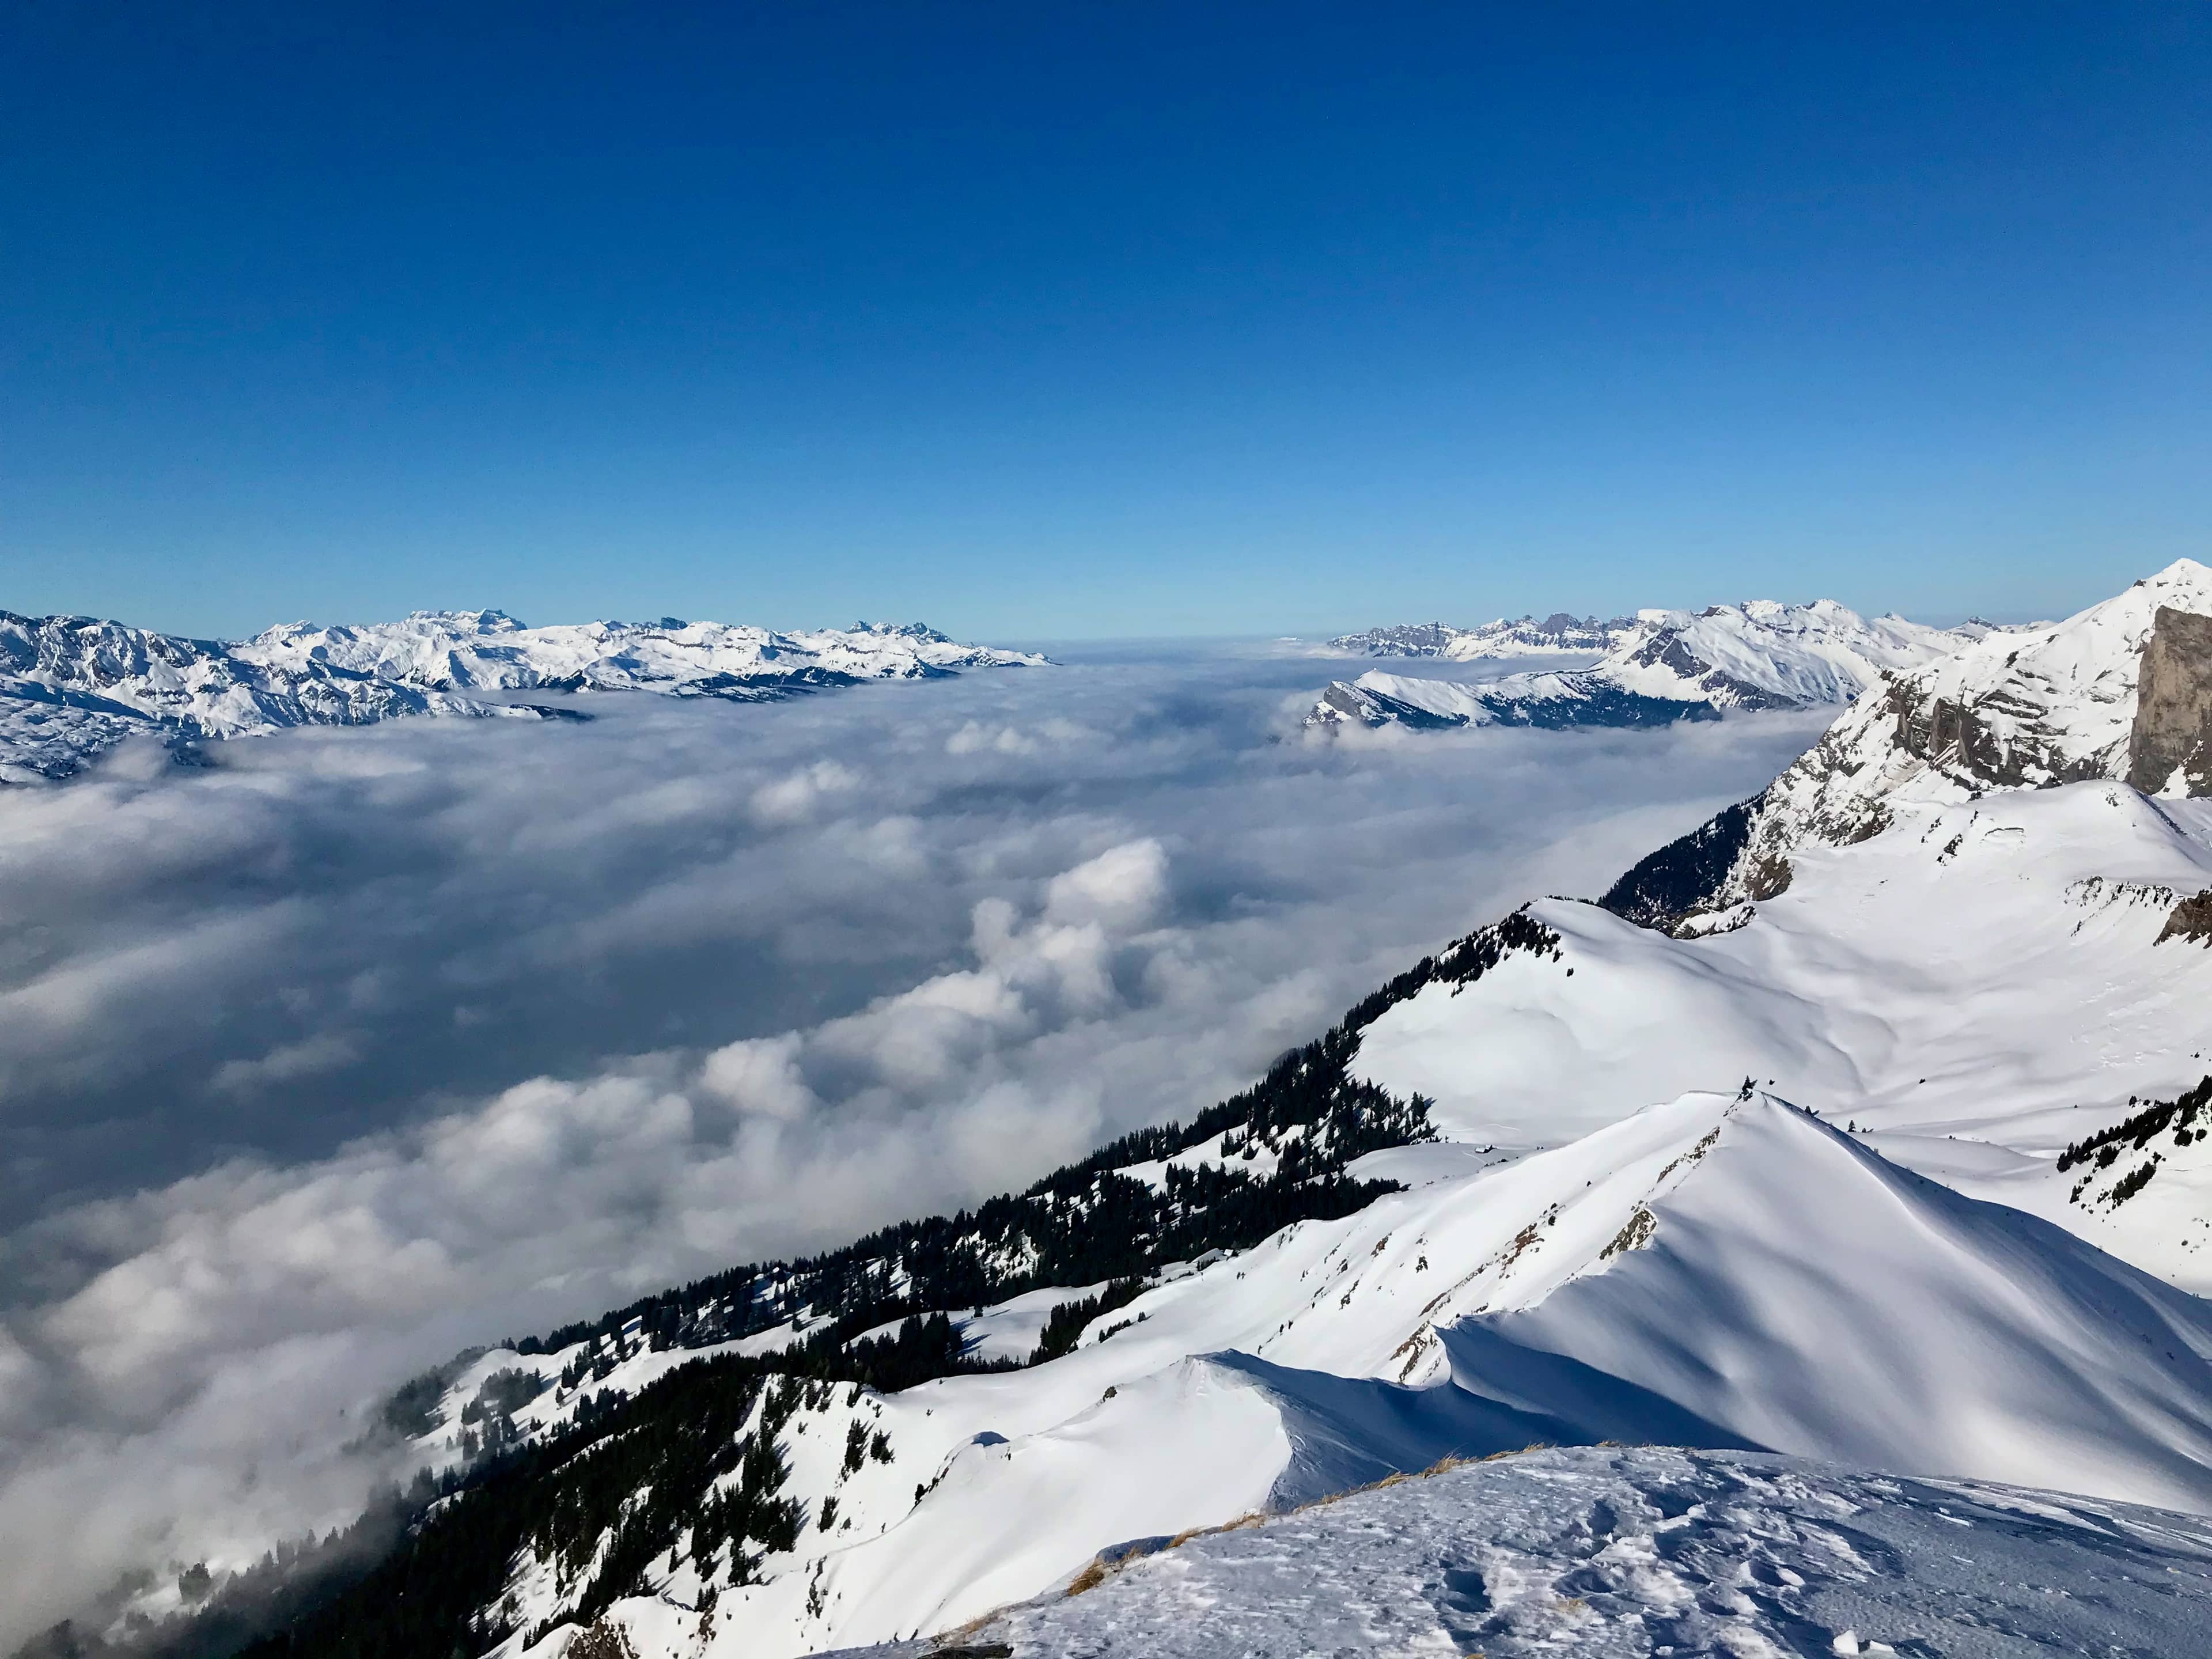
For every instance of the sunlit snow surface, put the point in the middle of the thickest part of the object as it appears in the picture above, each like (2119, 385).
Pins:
(1602, 1551)
(1981, 985)
(1712, 1272)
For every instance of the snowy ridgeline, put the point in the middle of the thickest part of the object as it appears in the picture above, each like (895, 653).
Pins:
(73, 687)
(1641, 1552)
(1557, 635)
(1656, 668)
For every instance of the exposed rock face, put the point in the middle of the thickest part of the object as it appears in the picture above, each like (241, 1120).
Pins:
(2170, 749)
(2191, 920)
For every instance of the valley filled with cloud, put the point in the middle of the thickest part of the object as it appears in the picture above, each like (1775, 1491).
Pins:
(351, 1047)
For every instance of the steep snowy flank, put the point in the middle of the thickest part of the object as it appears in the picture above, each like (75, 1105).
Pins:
(1720, 1272)
(2033, 708)
(72, 687)
(1667, 666)
(1645, 1551)
(1982, 985)
(1556, 634)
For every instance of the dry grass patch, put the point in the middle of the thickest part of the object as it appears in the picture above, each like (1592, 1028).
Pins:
(1089, 1578)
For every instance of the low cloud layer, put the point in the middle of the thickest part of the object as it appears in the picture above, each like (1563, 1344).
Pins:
(359, 1046)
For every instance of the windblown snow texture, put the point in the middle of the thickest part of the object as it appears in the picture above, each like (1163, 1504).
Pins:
(1643, 1551)
(1721, 1271)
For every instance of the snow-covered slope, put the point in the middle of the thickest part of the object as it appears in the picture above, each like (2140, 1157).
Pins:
(72, 687)
(1667, 666)
(1982, 985)
(1557, 635)
(2032, 709)
(1645, 1552)
(1717, 1271)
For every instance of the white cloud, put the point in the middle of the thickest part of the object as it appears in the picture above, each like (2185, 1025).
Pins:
(327, 1051)
(790, 799)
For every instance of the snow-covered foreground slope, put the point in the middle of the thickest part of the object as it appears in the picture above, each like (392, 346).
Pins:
(72, 687)
(1645, 1552)
(1717, 1271)
(1666, 666)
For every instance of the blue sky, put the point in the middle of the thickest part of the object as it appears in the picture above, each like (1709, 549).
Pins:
(1096, 320)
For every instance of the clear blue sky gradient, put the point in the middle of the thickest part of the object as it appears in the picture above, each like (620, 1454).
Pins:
(1078, 320)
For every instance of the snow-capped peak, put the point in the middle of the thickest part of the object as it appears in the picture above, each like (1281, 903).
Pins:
(2027, 707)
(72, 688)
(1666, 666)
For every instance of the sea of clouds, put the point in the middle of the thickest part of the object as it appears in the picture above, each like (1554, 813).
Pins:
(353, 1047)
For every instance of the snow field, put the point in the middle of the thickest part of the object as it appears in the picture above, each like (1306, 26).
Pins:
(1603, 1551)
(1982, 970)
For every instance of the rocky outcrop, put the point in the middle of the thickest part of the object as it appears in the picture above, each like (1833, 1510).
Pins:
(2169, 748)
(2191, 920)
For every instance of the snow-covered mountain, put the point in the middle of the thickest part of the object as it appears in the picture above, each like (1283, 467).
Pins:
(2033, 708)
(1666, 666)
(73, 687)
(1897, 1157)
(1723, 1271)
(1556, 634)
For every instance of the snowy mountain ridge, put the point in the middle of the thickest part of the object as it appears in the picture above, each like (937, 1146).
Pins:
(2020, 708)
(1557, 635)
(73, 687)
(1666, 666)
(1723, 1271)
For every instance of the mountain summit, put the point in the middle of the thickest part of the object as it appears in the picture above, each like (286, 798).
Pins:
(2122, 691)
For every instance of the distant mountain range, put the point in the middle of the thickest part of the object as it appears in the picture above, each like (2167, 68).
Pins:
(1659, 667)
(1557, 635)
(73, 687)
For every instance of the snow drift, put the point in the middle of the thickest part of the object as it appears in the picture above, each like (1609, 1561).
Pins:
(1635, 1552)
